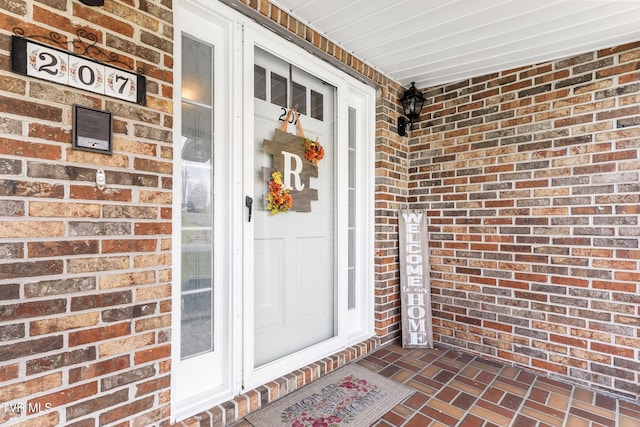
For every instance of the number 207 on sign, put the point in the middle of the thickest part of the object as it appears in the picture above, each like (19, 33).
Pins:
(43, 62)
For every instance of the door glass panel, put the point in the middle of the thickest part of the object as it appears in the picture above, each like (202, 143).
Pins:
(294, 274)
(317, 105)
(259, 83)
(352, 208)
(279, 90)
(197, 71)
(197, 199)
(299, 93)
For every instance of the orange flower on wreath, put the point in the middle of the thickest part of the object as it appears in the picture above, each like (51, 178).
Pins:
(313, 151)
(279, 197)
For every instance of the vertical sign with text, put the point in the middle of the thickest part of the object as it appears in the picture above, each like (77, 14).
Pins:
(415, 286)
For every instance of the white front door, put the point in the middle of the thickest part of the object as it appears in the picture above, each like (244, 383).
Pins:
(294, 280)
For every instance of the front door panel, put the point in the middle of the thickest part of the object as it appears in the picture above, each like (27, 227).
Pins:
(294, 279)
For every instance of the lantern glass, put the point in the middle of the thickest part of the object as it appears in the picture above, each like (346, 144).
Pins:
(412, 102)
(407, 106)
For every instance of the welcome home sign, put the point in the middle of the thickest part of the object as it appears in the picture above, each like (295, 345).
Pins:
(415, 283)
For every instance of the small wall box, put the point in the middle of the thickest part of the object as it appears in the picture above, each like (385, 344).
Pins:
(92, 130)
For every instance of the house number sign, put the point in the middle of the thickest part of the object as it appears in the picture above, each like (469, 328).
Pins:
(47, 63)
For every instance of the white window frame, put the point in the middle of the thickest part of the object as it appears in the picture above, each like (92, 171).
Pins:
(361, 320)
(188, 376)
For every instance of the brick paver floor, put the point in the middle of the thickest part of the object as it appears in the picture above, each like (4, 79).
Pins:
(462, 390)
(459, 389)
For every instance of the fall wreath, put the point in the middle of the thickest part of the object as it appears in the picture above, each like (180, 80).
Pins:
(279, 198)
(313, 151)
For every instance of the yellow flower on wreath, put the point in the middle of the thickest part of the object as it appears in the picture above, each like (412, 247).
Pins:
(279, 198)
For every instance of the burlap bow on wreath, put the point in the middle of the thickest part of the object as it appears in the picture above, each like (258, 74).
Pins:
(301, 156)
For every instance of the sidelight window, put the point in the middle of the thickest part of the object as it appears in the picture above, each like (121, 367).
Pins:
(197, 199)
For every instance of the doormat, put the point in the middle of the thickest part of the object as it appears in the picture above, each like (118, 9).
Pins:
(351, 396)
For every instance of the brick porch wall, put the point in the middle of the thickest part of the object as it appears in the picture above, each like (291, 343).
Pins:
(85, 275)
(531, 180)
(530, 177)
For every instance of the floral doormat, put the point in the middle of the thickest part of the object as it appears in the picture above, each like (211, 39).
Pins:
(351, 396)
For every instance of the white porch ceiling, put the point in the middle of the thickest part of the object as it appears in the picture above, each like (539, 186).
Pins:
(442, 41)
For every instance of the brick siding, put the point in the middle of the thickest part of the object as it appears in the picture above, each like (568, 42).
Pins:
(391, 195)
(85, 275)
(531, 180)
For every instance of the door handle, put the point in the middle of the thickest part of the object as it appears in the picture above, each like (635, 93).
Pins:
(248, 202)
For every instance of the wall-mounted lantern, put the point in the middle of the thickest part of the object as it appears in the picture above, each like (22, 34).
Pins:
(93, 2)
(412, 102)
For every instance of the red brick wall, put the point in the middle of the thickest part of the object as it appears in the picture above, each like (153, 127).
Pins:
(85, 275)
(391, 195)
(531, 179)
